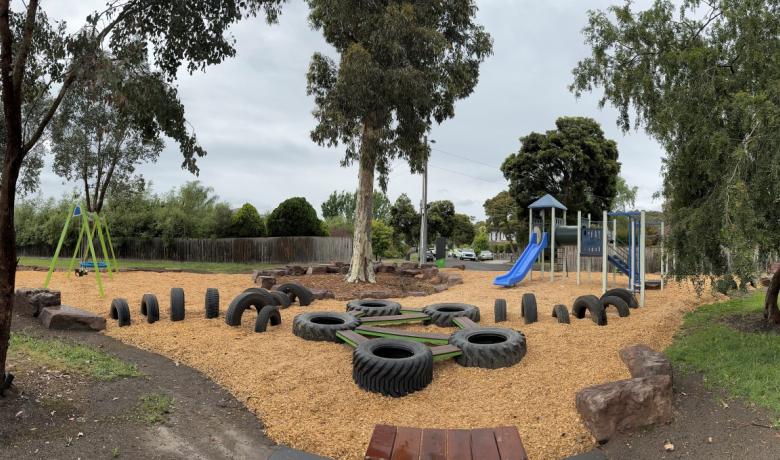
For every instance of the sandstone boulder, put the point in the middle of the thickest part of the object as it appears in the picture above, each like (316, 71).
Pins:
(265, 282)
(295, 270)
(410, 272)
(429, 272)
(70, 318)
(320, 294)
(408, 265)
(30, 301)
(385, 268)
(376, 295)
(440, 288)
(452, 280)
(317, 270)
(643, 361)
(416, 293)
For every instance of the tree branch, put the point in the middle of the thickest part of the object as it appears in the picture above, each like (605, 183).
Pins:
(24, 47)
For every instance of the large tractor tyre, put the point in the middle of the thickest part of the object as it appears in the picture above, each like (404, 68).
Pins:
(150, 308)
(392, 367)
(177, 304)
(372, 307)
(499, 310)
(625, 294)
(282, 299)
(270, 299)
(268, 314)
(592, 304)
(528, 308)
(244, 301)
(561, 313)
(297, 291)
(489, 347)
(120, 311)
(322, 326)
(212, 303)
(617, 302)
(442, 314)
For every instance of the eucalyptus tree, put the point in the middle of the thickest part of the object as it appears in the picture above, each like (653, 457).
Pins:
(402, 65)
(37, 55)
(701, 78)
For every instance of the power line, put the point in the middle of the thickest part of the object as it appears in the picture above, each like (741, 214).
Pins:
(462, 157)
(463, 174)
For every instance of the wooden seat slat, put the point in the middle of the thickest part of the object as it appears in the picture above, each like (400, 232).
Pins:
(407, 444)
(381, 445)
(459, 445)
(351, 336)
(483, 445)
(434, 444)
(410, 316)
(403, 333)
(464, 323)
(404, 443)
(510, 447)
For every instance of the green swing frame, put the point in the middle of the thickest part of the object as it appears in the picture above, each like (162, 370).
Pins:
(88, 231)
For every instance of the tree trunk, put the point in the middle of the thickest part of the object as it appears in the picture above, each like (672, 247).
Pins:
(361, 268)
(7, 246)
(771, 311)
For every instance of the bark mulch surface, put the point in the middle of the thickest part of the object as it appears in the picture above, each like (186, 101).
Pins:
(304, 393)
(391, 284)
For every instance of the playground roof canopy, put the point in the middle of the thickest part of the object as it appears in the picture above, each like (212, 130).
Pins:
(547, 201)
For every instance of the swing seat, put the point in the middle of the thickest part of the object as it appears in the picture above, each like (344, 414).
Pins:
(89, 264)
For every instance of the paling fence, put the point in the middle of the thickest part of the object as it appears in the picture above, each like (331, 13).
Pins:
(230, 250)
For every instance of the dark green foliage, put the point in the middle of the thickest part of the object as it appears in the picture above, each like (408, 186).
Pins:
(381, 238)
(342, 204)
(503, 216)
(725, 284)
(441, 219)
(575, 163)
(247, 223)
(294, 217)
(405, 220)
(462, 230)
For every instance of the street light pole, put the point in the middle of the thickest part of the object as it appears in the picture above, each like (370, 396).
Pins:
(424, 212)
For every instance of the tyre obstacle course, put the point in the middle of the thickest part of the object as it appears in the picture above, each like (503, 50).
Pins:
(396, 362)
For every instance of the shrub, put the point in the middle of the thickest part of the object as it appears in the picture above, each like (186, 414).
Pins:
(294, 217)
(381, 238)
(247, 223)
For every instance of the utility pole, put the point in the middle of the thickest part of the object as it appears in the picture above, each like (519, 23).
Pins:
(424, 211)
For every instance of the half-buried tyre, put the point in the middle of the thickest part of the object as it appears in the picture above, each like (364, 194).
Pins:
(297, 291)
(212, 303)
(489, 347)
(120, 311)
(625, 294)
(561, 313)
(618, 303)
(372, 307)
(442, 314)
(268, 314)
(150, 308)
(499, 310)
(270, 299)
(243, 301)
(528, 308)
(282, 299)
(392, 367)
(592, 304)
(322, 326)
(177, 304)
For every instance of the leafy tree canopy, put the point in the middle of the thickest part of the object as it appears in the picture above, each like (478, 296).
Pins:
(503, 216)
(574, 162)
(405, 220)
(441, 219)
(247, 223)
(625, 198)
(462, 229)
(294, 217)
(342, 204)
(381, 238)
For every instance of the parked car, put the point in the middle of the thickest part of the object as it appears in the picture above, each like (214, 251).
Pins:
(485, 255)
(467, 254)
(430, 256)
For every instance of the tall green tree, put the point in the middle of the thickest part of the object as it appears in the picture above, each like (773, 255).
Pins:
(342, 204)
(574, 162)
(405, 220)
(402, 65)
(703, 80)
(294, 217)
(36, 55)
(462, 229)
(625, 198)
(441, 219)
(247, 223)
(503, 216)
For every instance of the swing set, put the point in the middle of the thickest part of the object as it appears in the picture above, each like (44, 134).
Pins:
(90, 225)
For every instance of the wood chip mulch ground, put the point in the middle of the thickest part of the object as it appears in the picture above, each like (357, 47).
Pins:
(303, 391)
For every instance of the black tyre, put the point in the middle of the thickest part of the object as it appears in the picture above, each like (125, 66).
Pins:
(442, 313)
(392, 367)
(625, 294)
(560, 312)
(212, 303)
(617, 302)
(270, 299)
(282, 299)
(499, 310)
(592, 304)
(150, 308)
(372, 307)
(489, 347)
(297, 291)
(120, 311)
(322, 326)
(268, 314)
(246, 300)
(177, 304)
(528, 308)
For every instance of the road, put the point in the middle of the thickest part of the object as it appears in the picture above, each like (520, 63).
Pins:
(489, 266)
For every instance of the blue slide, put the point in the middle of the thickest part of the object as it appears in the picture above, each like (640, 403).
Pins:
(523, 264)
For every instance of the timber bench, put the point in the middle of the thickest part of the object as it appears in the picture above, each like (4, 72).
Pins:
(400, 443)
(440, 352)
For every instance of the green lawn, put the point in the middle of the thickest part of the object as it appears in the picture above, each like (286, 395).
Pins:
(207, 267)
(744, 364)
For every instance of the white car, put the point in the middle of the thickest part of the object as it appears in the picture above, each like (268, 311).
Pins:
(467, 254)
(485, 255)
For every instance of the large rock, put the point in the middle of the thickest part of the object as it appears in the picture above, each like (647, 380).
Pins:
(385, 268)
(30, 301)
(408, 265)
(317, 270)
(376, 295)
(265, 282)
(429, 272)
(439, 288)
(452, 280)
(320, 294)
(410, 272)
(295, 270)
(67, 317)
(643, 361)
(625, 405)
(334, 268)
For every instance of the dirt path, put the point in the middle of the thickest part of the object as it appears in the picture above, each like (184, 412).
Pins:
(55, 415)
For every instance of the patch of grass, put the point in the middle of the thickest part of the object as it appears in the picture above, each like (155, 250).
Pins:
(744, 364)
(155, 407)
(206, 267)
(70, 357)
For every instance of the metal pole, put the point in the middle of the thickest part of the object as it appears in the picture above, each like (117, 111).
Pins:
(579, 243)
(542, 251)
(642, 260)
(604, 239)
(530, 235)
(632, 247)
(663, 268)
(614, 247)
(552, 247)
(590, 259)
(424, 216)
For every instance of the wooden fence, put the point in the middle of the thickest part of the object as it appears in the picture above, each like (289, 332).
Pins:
(277, 250)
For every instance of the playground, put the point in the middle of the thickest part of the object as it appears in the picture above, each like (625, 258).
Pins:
(304, 393)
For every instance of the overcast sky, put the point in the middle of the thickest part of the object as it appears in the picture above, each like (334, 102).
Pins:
(252, 114)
